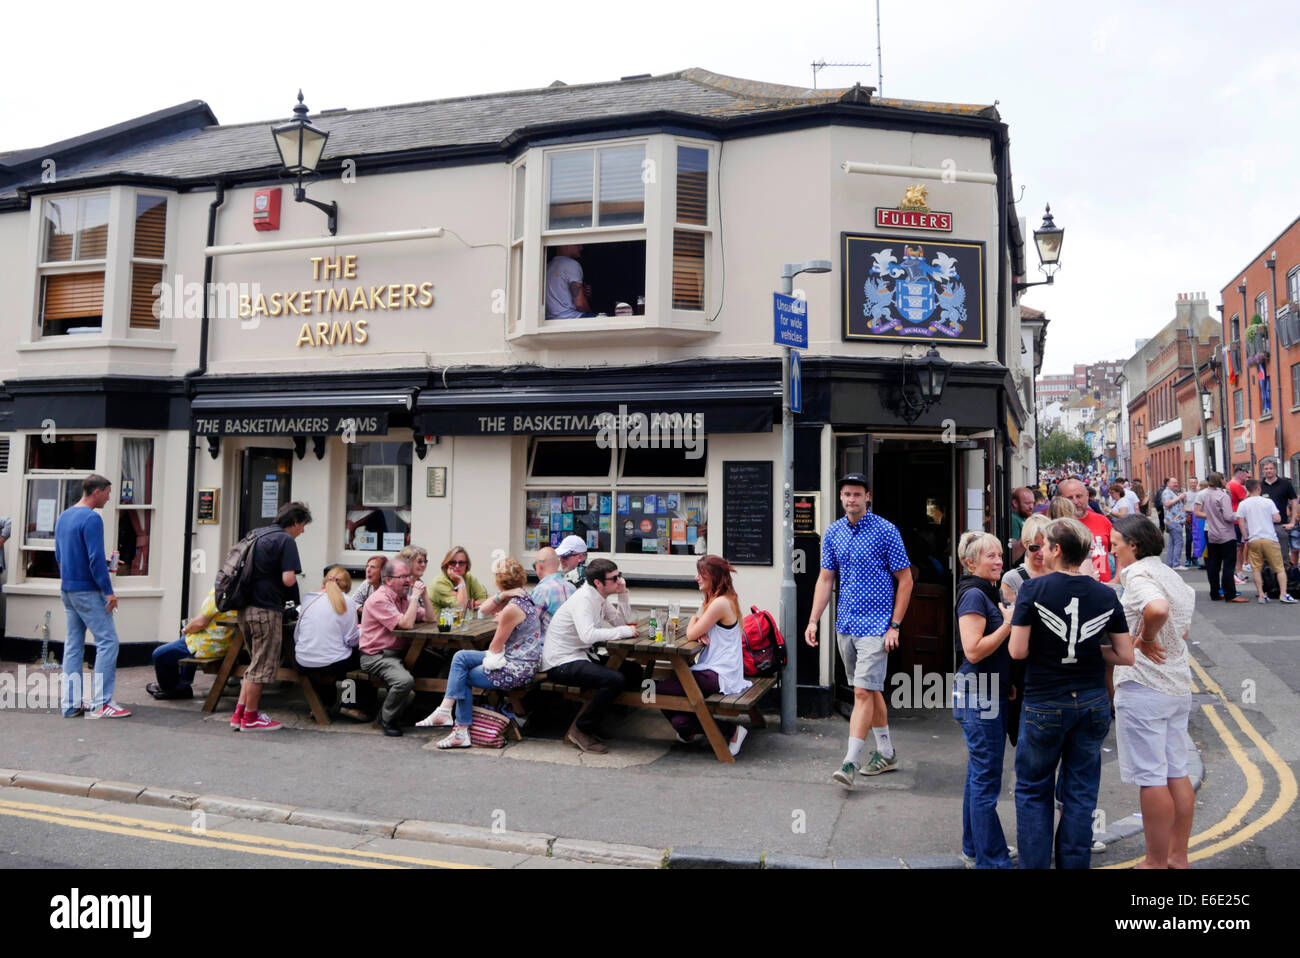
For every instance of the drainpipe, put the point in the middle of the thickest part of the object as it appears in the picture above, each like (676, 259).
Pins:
(190, 464)
(1001, 144)
(1278, 428)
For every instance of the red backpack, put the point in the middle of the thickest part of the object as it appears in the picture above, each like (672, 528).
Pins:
(764, 647)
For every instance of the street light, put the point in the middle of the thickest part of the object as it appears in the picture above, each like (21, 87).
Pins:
(1048, 238)
(790, 680)
(301, 145)
(931, 373)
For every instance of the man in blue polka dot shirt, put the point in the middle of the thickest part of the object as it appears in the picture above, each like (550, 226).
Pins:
(867, 553)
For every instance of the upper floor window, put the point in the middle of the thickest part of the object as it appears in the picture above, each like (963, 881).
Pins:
(78, 260)
(74, 250)
(1236, 327)
(601, 212)
(1261, 306)
(1293, 285)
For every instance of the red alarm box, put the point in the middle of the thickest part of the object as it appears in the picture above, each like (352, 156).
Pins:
(266, 209)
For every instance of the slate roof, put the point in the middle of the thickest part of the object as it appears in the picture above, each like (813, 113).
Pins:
(486, 122)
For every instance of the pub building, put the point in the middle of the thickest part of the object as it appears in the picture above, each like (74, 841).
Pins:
(382, 350)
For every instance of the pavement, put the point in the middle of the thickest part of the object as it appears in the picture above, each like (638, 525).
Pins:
(649, 802)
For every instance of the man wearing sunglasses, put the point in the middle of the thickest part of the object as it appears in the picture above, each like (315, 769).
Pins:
(585, 619)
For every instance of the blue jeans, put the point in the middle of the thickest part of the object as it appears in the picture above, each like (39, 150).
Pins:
(85, 610)
(466, 673)
(1174, 555)
(982, 837)
(166, 666)
(1067, 731)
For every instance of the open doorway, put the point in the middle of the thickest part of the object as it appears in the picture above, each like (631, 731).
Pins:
(912, 485)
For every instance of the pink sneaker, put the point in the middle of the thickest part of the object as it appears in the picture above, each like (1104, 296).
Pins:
(259, 722)
(108, 710)
(237, 720)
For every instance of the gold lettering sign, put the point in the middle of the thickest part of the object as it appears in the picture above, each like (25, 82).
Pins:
(329, 302)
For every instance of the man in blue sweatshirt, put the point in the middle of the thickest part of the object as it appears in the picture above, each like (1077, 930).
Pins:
(89, 602)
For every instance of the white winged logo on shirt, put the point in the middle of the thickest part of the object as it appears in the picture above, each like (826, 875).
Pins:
(1071, 634)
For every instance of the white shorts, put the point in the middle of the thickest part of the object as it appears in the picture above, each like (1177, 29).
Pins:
(1151, 734)
(865, 660)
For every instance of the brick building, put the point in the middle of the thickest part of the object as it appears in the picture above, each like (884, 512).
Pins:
(1265, 399)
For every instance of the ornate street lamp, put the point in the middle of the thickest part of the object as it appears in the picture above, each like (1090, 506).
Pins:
(301, 145)
(1048, 238)
(931, 376)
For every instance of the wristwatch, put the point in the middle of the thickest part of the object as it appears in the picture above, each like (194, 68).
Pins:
(896, 625)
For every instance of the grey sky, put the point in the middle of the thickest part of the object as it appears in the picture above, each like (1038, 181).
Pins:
(1162, 134)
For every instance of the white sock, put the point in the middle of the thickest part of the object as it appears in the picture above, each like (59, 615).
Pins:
(883, 744)
(855, 749)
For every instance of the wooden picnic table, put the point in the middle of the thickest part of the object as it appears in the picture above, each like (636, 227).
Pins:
(228, 665)
(679, 655)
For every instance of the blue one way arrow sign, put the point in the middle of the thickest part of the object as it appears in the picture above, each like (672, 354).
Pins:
(790, 321)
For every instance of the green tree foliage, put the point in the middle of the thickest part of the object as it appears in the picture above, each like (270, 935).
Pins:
(1056, 449)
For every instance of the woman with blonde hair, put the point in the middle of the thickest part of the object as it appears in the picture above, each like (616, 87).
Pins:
(456, 588)
(980, 694)
(326, 637)
(1035, 564)
(509, 662)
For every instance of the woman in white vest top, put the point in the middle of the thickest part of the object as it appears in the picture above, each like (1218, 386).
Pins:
(721, 666)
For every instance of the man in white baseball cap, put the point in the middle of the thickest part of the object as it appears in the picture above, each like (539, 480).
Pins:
(572, 551)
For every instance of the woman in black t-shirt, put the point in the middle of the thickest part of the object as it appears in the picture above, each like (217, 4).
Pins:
(1058, 626)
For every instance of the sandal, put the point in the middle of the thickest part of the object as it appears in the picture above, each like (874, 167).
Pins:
(438, 718)
(459, 738)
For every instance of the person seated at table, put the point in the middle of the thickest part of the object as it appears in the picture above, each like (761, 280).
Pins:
(325, 641)
(551, 592)
(456, 588)
(509, 662)
(395, 605)
(584, 620)
(374, 567)
(721, 666)
(206, 636)
(417, 558)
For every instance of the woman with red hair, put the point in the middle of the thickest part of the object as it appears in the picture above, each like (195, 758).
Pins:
(721, 666)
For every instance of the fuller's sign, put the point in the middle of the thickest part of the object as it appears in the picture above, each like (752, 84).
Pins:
(913, 220)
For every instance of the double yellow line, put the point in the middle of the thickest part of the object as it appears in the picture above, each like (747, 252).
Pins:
(1286, 794)
(226, 841)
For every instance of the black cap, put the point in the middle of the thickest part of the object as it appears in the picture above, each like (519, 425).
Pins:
(854, 479)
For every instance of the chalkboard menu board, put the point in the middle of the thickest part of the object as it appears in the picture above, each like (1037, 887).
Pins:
(747, 504)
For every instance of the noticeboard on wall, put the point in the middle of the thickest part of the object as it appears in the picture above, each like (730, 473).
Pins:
(747, 512)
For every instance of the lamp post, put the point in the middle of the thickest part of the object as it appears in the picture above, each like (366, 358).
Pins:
(1279, 445)
(301, 145)
(1245, 388)
(1048, 238)
(790, 680)
(931, 378)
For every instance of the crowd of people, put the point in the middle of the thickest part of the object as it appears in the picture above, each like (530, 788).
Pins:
(1233, 528)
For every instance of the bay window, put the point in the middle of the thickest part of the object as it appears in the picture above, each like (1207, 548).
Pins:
(637, 219)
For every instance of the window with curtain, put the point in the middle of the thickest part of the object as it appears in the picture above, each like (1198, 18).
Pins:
(1293, 285)
(148, 251)
(54, 468)
(135, 506)
(1261, 306)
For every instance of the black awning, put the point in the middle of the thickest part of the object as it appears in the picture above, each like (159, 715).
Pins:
(322, 413)
(558, 411)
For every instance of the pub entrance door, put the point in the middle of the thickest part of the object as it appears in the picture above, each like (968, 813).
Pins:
(913, 483)
(265, 479)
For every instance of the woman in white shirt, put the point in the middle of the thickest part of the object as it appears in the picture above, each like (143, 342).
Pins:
(721, 666)
(1153, 697)
(325, 644)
